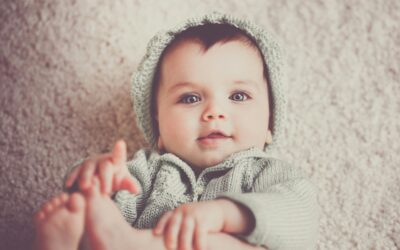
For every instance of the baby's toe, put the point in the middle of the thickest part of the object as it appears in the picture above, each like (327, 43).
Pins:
(48, 207)
(39, 216)
(76, 202)
(63, 197)
(55, 202)
(58, 201)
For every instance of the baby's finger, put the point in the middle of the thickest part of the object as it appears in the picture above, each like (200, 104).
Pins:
(160, 227)
(127, 182)
(87, 172)
(119, 153)
(200, 240)
(72, 177)
(186, 234)
(172, 231)
(106, 176)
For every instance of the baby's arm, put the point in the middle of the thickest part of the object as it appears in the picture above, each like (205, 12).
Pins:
(280, 212)
(192, 222)
(216, 241)
(284, 205)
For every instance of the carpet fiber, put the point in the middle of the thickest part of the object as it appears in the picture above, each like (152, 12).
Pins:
(65, 69)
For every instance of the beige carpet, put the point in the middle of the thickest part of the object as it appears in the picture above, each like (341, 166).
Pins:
(65, 69)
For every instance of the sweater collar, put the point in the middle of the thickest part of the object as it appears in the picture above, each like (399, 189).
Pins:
(230, 162)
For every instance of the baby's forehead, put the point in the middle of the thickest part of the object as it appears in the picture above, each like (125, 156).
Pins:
(225, 63)
(194, 53)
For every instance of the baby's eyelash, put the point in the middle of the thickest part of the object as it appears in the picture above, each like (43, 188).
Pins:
(240, 96)
(189, 98)
(192, 98)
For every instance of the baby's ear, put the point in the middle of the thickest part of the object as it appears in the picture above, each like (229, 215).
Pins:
(268, 138)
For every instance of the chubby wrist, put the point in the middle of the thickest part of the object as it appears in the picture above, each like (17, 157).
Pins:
(237, 218)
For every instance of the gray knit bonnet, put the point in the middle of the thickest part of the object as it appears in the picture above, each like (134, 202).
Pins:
(142, 82)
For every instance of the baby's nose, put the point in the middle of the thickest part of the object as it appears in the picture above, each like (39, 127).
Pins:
(214, 116)
(214, 112)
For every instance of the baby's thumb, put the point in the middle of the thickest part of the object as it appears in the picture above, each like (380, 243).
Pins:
(119, 153)
(131, 185)
(126, 183)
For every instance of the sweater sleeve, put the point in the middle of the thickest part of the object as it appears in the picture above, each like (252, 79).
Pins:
(283, 203)
(142, 169)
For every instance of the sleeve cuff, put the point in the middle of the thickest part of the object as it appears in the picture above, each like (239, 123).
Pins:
(284, 219)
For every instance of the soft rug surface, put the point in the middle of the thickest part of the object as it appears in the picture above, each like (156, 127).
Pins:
(65, 69)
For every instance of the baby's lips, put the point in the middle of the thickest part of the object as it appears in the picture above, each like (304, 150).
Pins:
(214, 134)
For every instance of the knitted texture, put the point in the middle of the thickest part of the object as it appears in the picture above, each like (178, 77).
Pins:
(279, 196)
(142, 82)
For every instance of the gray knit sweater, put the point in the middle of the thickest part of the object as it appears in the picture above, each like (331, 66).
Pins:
(281, 199)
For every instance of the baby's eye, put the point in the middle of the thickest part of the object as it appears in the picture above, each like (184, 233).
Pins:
(189, 99)
(239, 97)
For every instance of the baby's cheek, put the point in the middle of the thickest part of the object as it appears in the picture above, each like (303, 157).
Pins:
(176, 129)
(253, 131)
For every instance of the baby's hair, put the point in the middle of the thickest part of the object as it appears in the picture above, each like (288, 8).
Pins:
(208, 35)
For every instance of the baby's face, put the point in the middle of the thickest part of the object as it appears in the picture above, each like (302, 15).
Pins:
(212, 104)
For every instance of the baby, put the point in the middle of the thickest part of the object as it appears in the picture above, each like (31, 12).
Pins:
(208, 98)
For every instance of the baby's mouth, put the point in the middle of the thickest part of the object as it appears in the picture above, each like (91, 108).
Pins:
(213, 139)
(214, 135)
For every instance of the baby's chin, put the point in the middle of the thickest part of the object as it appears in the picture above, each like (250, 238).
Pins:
(199, 160)
(209, 159)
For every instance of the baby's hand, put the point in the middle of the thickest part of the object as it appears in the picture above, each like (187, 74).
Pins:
(110, 168)
(189, 224)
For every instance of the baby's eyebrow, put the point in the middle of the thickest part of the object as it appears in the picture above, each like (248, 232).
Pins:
(180, 85)
(247, 83)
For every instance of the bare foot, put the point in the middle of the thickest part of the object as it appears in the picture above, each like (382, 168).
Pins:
(106, 228)
(59, 223)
